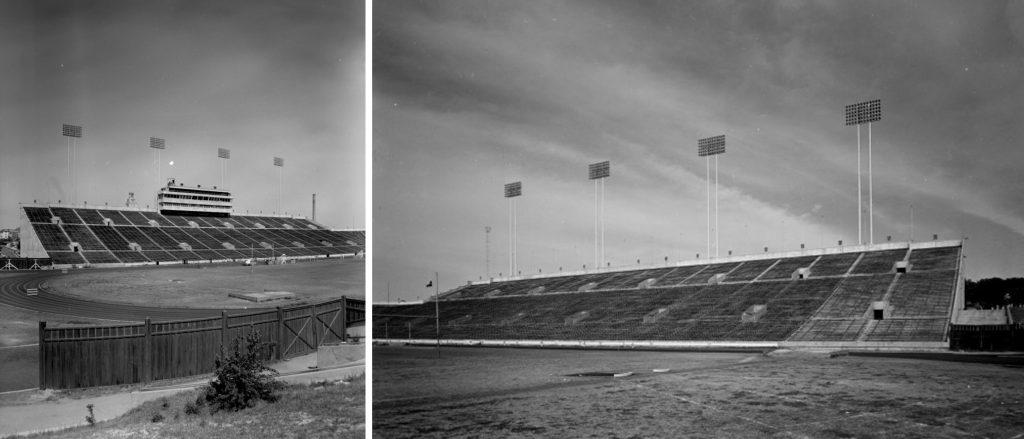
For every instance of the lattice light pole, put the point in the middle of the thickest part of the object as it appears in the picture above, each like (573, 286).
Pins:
(707, 147)
(225, 155)
(599, 172)
(512, 191)
(859, 114)
(158, 144)
(72, 133)
(279, 162)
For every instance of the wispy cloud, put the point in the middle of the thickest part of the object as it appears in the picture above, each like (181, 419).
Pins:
(469, 94)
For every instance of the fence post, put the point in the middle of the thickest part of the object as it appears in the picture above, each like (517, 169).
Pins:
(280, 333)
(42, 358)
(223, 330)
(344, 319)
(147, 353)
(315, 325)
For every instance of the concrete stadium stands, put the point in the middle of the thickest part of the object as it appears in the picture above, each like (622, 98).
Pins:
(75, 236)
(867, 296)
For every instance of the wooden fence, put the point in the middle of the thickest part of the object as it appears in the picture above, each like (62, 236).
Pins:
(140, 353)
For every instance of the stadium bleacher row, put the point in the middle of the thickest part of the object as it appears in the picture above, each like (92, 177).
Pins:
(103, 236)
(825, 298)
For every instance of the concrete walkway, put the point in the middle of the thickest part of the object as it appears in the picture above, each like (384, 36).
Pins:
(35, 417)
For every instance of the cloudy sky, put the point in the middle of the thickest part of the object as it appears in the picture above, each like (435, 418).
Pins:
(469, 95)
(262, 79)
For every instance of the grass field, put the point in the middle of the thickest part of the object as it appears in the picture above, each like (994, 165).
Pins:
(486, 392)
(200, 285)
(208, 286)
(315, 411)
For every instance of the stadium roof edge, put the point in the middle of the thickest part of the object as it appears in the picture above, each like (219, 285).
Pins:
(144, 209)
(741, 258)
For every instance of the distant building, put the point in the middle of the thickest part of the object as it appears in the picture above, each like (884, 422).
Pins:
(8, 234)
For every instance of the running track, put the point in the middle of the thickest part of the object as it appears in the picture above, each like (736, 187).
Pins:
(14, 291)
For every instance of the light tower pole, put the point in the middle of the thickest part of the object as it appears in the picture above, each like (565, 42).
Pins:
(707, 147)
(72, 133)
(157, 144)
(224, 154)
(599, 172)
(279, 162)
(487, 252)
(512, 191)
(859, 114)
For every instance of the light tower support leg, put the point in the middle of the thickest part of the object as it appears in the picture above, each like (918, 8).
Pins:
(603, 259)
(860, 224)
(597, 226)
(718, 245)
(707, 186)
(69, 168)
(74, 170)
(871, 194)
(515, 236)
(510, 237)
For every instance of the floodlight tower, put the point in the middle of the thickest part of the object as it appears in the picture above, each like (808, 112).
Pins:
(225, 154)
(859, 114)
(487, 251)
(72, 133)
(279, 162)
(707, 147)
(512, 191)
(599, 172)
(157, 144)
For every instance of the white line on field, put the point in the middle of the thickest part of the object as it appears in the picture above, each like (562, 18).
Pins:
(690, 401)
(19, 346)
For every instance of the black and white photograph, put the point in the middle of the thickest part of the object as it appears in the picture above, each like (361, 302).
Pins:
(697, 219)
(182, 218)
(511, 219)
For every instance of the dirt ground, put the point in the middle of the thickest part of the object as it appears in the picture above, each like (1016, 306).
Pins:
(485, 392)
(208, 286)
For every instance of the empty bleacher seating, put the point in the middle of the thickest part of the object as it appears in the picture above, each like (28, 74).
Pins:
(166, 238)
(66, 215)
(848, 297)
(833, 265)
(90, 216)
(879, 262)
(38, 214)
(942, 258)
(83, 236)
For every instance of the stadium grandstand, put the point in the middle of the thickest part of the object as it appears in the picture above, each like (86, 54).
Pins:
(191, 224)
(882, 296)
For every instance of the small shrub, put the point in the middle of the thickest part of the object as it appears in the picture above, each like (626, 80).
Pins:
(191, 408)
(241, 378)
(157, 417)
(90, 418)
(164, 403)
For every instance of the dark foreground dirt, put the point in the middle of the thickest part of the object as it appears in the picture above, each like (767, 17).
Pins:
(484, 392)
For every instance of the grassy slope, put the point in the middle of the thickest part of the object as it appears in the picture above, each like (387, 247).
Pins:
(328, 411)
